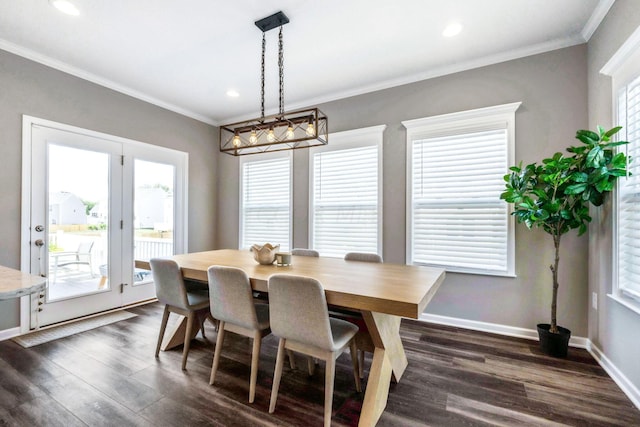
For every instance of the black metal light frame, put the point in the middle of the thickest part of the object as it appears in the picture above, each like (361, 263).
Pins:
(282, 131)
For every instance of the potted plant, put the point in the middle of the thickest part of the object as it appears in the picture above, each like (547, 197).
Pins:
(556, 195)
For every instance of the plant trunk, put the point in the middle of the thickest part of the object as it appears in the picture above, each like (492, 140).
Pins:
(554, 271)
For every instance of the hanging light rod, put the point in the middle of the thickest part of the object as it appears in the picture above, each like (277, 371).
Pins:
(281, 131)
(276, 20)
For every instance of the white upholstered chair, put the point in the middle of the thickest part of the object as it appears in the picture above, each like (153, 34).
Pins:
(232, 304)
(172, 292)
(362, 256)
(305, 252)
(300, 318)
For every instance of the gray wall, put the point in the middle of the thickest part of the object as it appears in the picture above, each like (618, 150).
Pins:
(553, 91)
(612, 328)
(30, 88)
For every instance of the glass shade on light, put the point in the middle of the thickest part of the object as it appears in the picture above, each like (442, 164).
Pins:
(310, 129)
(286, 131)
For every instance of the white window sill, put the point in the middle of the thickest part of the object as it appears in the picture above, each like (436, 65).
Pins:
(630, 303)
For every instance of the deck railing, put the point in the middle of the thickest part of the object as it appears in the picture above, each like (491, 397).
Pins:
(146, 248)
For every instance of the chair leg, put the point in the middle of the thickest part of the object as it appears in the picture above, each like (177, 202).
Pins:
(187, 338)
(292, 361)
(328, 389)
(255, 358)
(361, 363)
(277, 375)
(163, 326)
(311, 365)
(213, 320)
(216, 353)
(357, 367)
(201, 320)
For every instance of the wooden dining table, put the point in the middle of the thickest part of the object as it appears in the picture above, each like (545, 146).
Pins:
(382, 292)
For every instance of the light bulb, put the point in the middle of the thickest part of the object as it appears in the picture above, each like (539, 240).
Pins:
(271, 136)
(236, 140)
(290, 133)
(311, 131)
(253, 138)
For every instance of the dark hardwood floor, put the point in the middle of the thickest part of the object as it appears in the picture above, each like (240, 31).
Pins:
(456, 377)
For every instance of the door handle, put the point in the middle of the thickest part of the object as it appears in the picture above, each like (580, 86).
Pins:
(39, 243)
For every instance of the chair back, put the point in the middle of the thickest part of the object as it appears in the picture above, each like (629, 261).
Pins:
(85, 247)
(305, 252)
(231, 297)
(167, 277)
(298, 310)
(362, 256)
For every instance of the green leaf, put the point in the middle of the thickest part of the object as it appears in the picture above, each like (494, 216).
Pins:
(613, 131)
(588, 137)
(579, 177)
(595, 157)
(576, 188)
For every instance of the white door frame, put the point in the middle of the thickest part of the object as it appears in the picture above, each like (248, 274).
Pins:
(181, 200)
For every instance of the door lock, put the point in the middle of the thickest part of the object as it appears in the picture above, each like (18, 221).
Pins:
(39, 228)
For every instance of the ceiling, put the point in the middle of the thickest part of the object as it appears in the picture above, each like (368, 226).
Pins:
(185, 55)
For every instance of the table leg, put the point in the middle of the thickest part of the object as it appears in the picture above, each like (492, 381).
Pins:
(176, 337)
(389, 360)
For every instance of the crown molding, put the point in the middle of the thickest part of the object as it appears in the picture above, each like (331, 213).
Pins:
(600, 11)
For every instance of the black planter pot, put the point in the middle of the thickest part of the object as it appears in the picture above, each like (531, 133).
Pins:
(555, 345)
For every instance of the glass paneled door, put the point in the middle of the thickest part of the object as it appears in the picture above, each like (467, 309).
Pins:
(97, 203)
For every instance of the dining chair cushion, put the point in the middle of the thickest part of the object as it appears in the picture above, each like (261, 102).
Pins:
(262, 313)
(198, 298)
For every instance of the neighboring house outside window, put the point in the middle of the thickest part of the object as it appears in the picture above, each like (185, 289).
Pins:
(455, 169)
(346, 193)
(265, 200)
(624, 68)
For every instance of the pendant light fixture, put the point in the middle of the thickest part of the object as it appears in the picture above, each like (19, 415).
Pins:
(281, 131)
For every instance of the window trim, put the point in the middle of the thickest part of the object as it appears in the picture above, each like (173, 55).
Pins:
(476, 120)
(355, 138)
(623, 67)
(263, 157)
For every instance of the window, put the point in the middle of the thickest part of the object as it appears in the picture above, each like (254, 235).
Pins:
(624, 67)
(455, 168)
(628, 200)
(346, 193)
(265, 200)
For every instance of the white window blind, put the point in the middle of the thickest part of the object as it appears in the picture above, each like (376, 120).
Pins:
(456, 166)
(346, 196)
(628, 226)
(265, 202)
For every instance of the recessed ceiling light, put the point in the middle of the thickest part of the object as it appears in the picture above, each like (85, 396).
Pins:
(65, 6)
(233, 93)
(452, 29)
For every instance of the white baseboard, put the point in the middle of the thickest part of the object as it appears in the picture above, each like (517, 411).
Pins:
(623, 382)
(494, 328)
(628, 388)
(6, 334)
